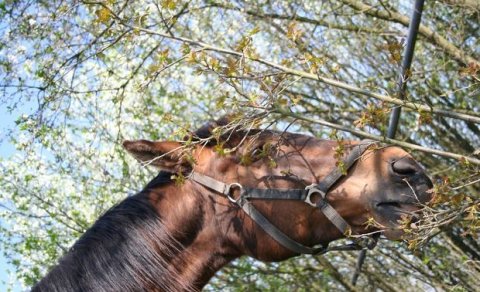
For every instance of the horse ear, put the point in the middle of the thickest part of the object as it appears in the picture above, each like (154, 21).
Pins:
(206, 130)
(165, 155)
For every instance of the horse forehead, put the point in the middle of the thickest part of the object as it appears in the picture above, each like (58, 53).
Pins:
(284, 138)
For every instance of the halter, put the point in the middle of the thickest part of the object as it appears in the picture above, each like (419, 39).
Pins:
(321, 188)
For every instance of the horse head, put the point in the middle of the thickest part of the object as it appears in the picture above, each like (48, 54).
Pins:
(385, 183)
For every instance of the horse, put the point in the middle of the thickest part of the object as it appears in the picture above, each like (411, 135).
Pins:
(261, 193)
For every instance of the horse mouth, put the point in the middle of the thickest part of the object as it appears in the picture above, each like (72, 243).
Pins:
(395, 209)
(397, 205)
(393, 215)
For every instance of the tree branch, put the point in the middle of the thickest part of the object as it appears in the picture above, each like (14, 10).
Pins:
(319, 22)
(379, 138)
(452, 113)
(425, 31)
(472, 4)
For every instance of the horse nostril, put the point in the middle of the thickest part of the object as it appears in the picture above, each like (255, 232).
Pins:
(405, 167)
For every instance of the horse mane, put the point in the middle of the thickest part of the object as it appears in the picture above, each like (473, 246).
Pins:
(162, 178)
(126, 248)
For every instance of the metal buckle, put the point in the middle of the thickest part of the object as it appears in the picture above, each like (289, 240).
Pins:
(229, 189)
(312, 189)
(367, 242)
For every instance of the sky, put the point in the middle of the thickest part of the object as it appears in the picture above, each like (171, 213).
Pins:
(7, 121)
(6, 150)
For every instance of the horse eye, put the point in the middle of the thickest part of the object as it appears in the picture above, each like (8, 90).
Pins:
(257, 151)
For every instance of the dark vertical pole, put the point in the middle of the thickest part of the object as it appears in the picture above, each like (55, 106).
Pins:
(406, 63)
(402, 86)
(358, 267)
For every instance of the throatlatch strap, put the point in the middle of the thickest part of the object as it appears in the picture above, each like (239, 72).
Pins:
(334, 217)
(275, 233)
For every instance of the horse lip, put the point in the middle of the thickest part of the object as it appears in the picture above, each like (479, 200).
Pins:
(393, 210)
(395, 203)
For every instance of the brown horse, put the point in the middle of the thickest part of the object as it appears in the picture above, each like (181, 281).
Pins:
(176, 233)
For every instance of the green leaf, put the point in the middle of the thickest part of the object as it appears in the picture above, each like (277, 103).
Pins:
(169, 4)
(103, 15)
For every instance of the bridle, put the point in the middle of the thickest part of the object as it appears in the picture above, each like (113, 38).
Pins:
(306, 195)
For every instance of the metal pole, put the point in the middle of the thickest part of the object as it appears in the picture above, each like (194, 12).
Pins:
(402, 86)
(358, 267)
(406, 63)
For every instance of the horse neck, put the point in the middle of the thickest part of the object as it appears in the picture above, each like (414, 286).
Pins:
(190, 214)
(163, 239)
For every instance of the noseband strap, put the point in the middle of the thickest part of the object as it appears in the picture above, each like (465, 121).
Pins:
(314, 195)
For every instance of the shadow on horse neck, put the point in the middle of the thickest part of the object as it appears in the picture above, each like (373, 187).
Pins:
(174, 237)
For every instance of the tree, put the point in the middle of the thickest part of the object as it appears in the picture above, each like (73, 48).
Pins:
(101, 71)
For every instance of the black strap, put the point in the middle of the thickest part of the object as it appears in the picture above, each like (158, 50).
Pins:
(275, 233)
(211, 183)
(275, 194)
(334, 217)
(337, 173)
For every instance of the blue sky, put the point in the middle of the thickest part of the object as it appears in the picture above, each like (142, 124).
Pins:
(6, 150)
(7, 121)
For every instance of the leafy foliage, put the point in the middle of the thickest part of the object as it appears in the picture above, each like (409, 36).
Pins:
(100, 72)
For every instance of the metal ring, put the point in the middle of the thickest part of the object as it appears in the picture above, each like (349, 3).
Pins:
(312, 189)
(229, 189)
